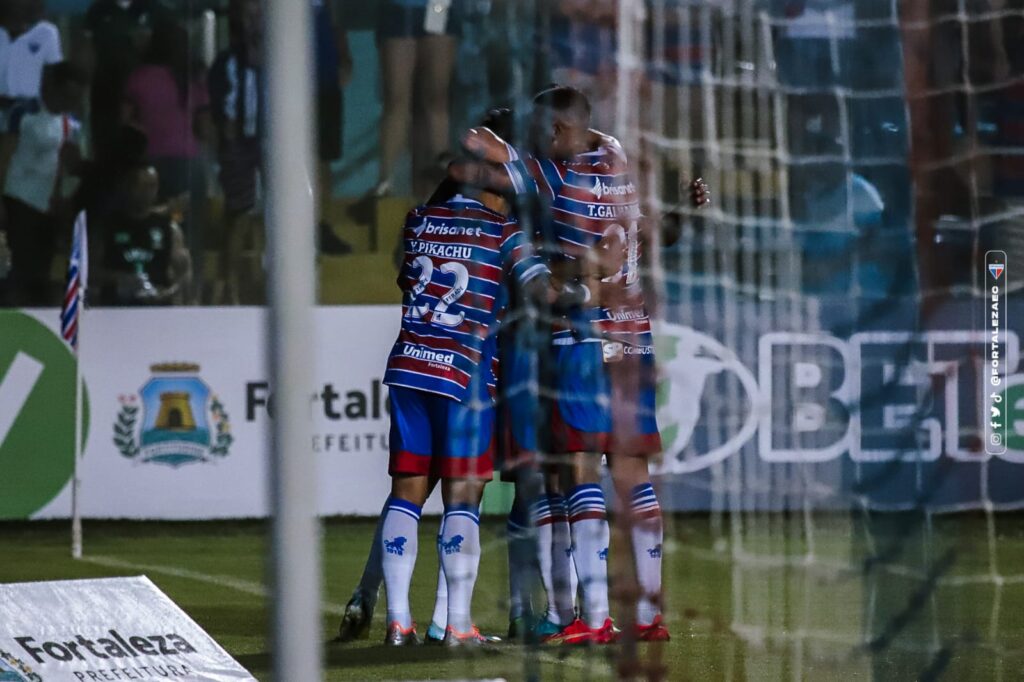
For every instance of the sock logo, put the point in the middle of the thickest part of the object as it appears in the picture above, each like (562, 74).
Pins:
(395, 546)
(453, 546)
(655, 551)
(603, 554)
(568, 551)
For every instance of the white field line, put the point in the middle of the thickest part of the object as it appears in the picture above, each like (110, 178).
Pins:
(252, 587)
(258, 589)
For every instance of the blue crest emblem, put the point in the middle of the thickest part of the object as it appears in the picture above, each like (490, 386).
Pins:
(996, 269)
(603, 554)
(655, 551)
(453, 546)
(182, 421)
(395, 546)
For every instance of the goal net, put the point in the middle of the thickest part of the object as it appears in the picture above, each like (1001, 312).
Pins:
(831, 311)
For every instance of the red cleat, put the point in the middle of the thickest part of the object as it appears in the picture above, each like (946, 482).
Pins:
(655, 632)
(607, 633)
(576, 632)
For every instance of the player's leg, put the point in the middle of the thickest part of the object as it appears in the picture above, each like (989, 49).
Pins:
(634, 440)
(550, 515)
(529, 542)
(460, 555)
(581, 422)
(522, 566)
(412, 415)
(468, 463)
(355, 624)
(399, 541)
(588, 521)
(439, 619)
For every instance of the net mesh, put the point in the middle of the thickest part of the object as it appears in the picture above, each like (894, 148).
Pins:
(812, 123)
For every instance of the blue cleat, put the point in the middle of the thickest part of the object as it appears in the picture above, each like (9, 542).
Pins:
(435, 634)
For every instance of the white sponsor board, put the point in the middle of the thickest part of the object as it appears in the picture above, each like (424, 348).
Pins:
(180, 408)
(180, 404)
(104, 629)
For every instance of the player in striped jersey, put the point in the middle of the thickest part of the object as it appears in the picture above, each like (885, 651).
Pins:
(458, 255)
(595, 215)
(587, 192)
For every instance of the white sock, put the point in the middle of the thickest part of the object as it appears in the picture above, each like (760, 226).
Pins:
(588, 519)
(399, 545)
(373, 572)
(647, 538)
(543, 521)
(563, 570)
(522, 564)
(460, 556)
(440, 617)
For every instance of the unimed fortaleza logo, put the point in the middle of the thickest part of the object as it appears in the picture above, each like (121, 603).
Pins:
(174, 419)
(37, 427)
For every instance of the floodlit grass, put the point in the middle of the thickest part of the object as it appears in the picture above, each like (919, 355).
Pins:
(737, 610)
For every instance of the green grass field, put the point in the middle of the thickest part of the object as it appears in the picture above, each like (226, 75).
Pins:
(738, 609)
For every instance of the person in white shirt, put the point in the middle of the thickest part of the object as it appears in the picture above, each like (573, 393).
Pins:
(39, 150)
(27, 44)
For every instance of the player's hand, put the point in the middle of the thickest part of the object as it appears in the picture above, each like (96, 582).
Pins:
(610, 252)
(700, 193)
(482, 143)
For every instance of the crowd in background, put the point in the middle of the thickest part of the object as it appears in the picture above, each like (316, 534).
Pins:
(166, 130)
(147, 114)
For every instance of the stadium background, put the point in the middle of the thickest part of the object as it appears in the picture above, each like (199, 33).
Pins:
(813, 540)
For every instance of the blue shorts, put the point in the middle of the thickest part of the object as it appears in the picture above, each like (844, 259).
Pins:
(581, 418)
(519, 408)
(405, 19)
(435, 435)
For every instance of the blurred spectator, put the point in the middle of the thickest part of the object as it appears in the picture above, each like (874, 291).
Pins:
(236, 91)
(583, 53)
(119, 32)
(166, 97)
(417, 41)
(333, 72)
(139, 254)
(27, 44)
(40, 150)
(96, 192)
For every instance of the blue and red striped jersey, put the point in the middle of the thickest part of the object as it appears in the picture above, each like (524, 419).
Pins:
(591, 196)
(458, 256)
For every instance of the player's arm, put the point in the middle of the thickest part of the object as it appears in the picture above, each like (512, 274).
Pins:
(481, 174)
(598, 140)
(483, 143)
